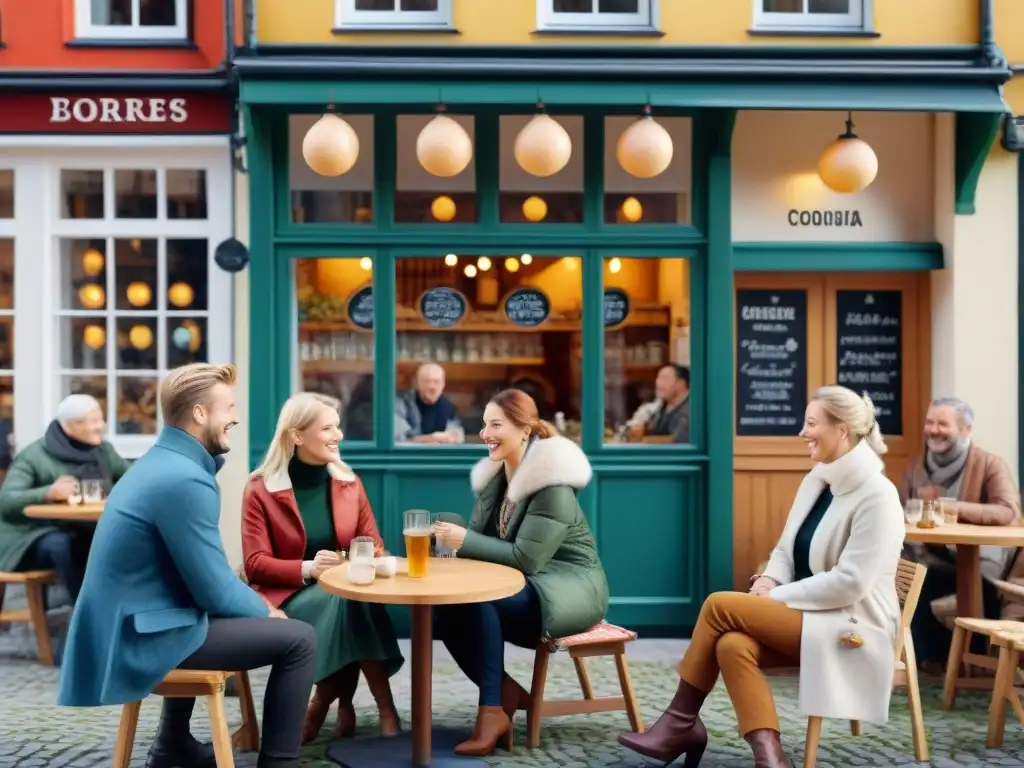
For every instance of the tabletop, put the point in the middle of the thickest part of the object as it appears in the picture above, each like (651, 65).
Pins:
(449, 581)
(80, 512)
(968, 535)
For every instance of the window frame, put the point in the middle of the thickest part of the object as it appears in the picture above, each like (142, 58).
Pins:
(856, 20)
(549, 21)
(348, 18)
(85, 29)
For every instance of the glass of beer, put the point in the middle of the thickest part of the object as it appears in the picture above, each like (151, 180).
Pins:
(417, 541)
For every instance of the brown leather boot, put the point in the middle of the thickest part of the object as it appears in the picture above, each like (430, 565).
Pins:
(679, 731)
(345, 725)
(327, 691)
(513, 696)
(376, 675)
(491, 725)
(767, 748)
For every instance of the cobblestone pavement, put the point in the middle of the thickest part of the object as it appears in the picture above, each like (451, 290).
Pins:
(34, 733)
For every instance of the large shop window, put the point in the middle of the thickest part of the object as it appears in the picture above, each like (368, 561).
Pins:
(403, 14)
(6, 319)
(132, 19)
(595, 14)
(809, 14)
(133, 278)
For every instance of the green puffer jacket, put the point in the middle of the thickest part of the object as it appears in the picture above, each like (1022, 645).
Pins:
(30, 476)
(548, 538)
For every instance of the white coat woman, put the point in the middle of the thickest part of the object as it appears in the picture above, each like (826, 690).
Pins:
(826, 601)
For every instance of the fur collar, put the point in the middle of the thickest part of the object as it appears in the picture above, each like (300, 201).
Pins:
(851, 470)
(339, 471)
(553, 461)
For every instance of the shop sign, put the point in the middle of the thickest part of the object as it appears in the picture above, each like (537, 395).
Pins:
(443, 307)
(824, 218)
(527, 307)
(360, 308)
(151, 113)
(616, 307)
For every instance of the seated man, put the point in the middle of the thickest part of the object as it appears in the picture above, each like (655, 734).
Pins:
(954, 467)
(159, 593)
(669, 414)
(49, 470)
(424, 414)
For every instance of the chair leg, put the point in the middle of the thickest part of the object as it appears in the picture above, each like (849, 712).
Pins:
(856, 728)
(811, 742)
(1001, 691)
(219, 730)
(126, 734)
(636, 721)
(584, 677)
(914, 699)
(956, 655)
(37, 611)
(534, 713)
(246, 738)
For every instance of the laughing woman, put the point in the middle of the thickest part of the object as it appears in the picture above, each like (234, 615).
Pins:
(526, 517)
(302, 505)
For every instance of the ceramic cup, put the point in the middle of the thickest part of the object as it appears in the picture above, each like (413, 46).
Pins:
(386, 566)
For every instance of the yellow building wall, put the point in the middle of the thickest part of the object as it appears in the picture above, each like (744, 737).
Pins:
(683, 22)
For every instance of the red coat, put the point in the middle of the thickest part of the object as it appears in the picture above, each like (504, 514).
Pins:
(274, 538)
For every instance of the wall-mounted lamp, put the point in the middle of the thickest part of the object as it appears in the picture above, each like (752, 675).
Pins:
(848, 164)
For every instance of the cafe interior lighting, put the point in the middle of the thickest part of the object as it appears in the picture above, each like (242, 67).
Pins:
(526, 259)
(92, 262)
(483, 263)
(631, 210)
(92, 296)
(94, 336)
(138, 293)
(331, 146)
(512, 264)
(443, 208)
(848, 164)
(141, 336)
(366, 263)
(443, 147)
(543, 147)
(535, 209)
(180, 295)
(615, 265)
(470, 270)
(451, 260)
(644, 149)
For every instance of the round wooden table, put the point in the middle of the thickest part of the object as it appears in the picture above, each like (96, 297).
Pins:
(80, 513)
(449, 581)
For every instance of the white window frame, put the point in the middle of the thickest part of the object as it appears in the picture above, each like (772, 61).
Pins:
(38, 231)
(645, 18)
(858, 19)
(346, 17)
(85, 28)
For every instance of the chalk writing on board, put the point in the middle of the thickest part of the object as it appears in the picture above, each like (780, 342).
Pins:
(360, 308)
(443, 307)
(616, 307)
(527, 307)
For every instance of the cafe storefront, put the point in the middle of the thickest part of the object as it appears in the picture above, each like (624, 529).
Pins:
(546, 234)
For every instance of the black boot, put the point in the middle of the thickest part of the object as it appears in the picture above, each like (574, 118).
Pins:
(180, 753)
(679, 731)
(767, 748)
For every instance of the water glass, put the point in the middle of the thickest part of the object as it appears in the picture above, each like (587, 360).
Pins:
(92, 491)
(950, 512)
(913, 511)
(362, 550)
(76, 496)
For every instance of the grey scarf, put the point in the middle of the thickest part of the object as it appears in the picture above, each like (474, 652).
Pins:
(944, 468)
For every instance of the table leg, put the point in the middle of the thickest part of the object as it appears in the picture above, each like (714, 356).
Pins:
(422, 649)
(968, 582)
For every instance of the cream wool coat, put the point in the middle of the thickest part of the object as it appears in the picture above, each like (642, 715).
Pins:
(853, 560)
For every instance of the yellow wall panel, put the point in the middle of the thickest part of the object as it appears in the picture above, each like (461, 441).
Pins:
(1009, 16)
(684, 22)
(1013, 93)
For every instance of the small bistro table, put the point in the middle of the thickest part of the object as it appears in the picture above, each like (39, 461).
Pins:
(74, 513)
(449, 581)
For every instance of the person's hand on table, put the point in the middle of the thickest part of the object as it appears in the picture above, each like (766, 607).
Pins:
(928, 493)
(63, 488)
(277, 613)
(450, 535)
(763, 585)
(325, 559)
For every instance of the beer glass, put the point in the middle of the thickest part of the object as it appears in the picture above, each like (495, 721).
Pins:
(417, 541)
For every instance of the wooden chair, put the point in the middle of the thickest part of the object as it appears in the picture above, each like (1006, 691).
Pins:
(182, 683)
(601, 640)
(909, 580)
(1006, 689)
(34, 583)
(964, 629)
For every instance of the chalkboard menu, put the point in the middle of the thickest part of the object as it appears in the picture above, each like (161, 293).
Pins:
(771, 362)
(869, 351)
(360, 308)
(443, 307)
(527, 307)
(616, 307)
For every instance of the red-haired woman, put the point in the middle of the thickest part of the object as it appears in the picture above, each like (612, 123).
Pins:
(526, 517)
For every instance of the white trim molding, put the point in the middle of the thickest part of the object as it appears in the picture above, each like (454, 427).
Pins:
(87, 27)
(549, 20)
(858, 18)
(348, 17)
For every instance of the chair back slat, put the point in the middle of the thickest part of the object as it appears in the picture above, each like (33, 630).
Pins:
(909, 581)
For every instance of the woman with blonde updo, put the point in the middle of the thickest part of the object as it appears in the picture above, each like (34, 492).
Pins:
(826, 601)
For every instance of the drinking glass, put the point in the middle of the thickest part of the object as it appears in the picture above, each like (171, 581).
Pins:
(92, 491)
(76, 496)
(361, 550)
(913, 511)
(950, 513)
(416, 531)
(456, 431)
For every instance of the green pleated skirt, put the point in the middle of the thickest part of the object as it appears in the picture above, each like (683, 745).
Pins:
(347, 631)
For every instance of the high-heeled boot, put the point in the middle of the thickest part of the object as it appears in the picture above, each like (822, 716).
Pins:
(376, 675)
(679, 731)
(513, 696)
(491, 725)
(767, 748)
(326, 692)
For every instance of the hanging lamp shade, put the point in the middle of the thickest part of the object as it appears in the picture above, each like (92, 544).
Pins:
(848, 164)
(644, 149)
(331, 146)
(443, 147)
(543, 147)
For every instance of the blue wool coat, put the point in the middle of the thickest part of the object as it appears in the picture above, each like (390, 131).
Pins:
(157, 570)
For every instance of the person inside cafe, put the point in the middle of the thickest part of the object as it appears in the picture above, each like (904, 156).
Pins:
(302, 505)
(424, 414)
(826, 601)
(669, 414)
(160, 595)
(50, 471)
(526, 517)
(953, 467)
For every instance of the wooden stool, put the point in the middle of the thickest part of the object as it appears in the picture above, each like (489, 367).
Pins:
(35, 615)
(600, 640)
(1005, 690)
(181, 683)
(964, 629)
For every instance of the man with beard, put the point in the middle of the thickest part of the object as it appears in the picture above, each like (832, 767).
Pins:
(159, 593)
(953, 467)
